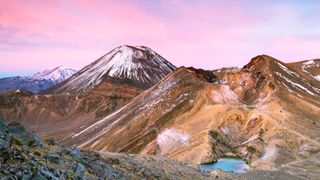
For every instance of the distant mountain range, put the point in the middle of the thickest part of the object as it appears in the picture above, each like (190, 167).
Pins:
(38, 82)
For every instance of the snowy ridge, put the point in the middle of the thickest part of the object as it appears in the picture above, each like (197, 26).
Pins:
(290, 79)
(139, 64)
(57, 74)
(311, 64)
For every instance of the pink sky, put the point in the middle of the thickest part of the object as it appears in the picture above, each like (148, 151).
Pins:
(37, 35)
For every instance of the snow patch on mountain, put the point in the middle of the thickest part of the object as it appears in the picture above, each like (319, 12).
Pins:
(317, 77)
(252, 138)
(139, 64)
(173, 135)
(57, 74)
(309, 62)
(270, 152)
(285, 69)
(172, 139)
(305, 85)
(100, 122)
(224, 95)
(297, 85)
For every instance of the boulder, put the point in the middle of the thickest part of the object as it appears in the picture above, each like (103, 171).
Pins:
(4, 156)
(4, 136)
(75, 153)
(48, 175)
(20, 136)
(17, 129)
(38, 176)
(80, 169)
(37, 140)
(53, 158)
(51, 142)
(5, 139)
(2, 125)
(4, 143)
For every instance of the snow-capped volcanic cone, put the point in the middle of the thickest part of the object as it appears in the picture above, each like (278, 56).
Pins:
(57, 74)
(138, 64)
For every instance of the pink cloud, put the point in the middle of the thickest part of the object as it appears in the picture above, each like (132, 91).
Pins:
(42, 34)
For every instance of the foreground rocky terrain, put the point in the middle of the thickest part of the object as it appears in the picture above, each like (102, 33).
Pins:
(25, 156)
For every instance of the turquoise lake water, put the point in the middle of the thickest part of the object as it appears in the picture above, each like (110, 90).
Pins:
(227, 165)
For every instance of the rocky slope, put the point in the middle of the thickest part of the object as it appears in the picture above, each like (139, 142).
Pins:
(25, 156)
(266, 113)
(55, 115)
(38, 82)
(139, 64)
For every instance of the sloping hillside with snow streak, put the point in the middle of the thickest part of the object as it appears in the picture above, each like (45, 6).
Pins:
(309, 68)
